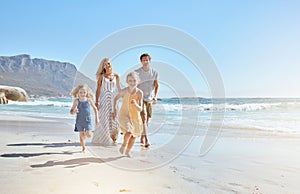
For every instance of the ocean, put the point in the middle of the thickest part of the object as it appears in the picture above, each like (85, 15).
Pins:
(271, 115)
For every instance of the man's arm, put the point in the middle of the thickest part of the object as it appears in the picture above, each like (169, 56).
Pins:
(156, 90)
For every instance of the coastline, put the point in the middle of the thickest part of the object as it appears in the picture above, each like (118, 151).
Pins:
(42, 155)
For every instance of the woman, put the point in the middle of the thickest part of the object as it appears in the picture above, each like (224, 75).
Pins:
(108, 86)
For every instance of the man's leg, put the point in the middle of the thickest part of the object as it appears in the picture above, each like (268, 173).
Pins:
(144, 117)
(148, 116)
(147, 144)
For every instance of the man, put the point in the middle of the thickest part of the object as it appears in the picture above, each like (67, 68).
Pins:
(149, 86)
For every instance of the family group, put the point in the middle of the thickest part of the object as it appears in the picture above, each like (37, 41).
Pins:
(131, 119)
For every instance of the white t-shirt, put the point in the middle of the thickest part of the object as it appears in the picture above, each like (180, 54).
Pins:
(146, 85)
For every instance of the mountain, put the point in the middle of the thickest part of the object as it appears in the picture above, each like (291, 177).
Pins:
(40, 77)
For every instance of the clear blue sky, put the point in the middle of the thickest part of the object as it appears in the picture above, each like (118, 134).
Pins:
(255, 44)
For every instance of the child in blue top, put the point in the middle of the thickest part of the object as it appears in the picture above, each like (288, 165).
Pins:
(81, 106)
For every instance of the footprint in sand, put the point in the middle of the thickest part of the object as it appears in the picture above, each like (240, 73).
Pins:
(125, 190)
(96, 184)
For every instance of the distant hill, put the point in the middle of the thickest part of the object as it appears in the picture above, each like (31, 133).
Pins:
(41, 77)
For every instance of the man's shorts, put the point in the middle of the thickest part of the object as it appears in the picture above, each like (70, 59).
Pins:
(147, 109)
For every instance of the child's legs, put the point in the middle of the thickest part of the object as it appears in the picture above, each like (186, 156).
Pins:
(87, 133)
(126, 138)
(130, 144)
(81, 137)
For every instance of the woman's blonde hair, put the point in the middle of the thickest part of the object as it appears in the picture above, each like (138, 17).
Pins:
(89, 93)
(135, 75)
(101, 69)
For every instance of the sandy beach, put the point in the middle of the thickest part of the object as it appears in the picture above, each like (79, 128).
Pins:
(44, 156)
(41, 155)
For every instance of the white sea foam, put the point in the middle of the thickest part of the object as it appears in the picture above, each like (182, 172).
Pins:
(275, 115)
(43, 102)
(228, 107)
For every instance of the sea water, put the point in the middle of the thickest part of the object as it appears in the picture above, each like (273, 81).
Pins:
(191, 115)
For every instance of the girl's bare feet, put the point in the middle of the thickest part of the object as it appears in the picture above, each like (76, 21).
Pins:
(142, 139)
(122, 148)
(128, 154)
(83, 149)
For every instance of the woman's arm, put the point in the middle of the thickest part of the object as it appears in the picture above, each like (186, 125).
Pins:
(99, 83)
(118, 82)
(95, 110)
(121, 94)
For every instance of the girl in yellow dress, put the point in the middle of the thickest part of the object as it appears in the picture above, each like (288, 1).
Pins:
(129, 116)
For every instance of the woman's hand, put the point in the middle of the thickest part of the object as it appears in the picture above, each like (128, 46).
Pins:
(113, 115)
(97, 104)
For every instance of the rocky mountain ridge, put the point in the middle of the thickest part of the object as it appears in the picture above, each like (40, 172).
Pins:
(41, 77)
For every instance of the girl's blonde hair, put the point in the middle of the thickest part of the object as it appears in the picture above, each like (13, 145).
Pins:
(89, 92)
(101, 69)
(135, 75)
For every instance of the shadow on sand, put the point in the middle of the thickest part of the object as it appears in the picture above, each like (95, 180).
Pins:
(45, 145)
(71, 163)
(76, 162)
(28, 155)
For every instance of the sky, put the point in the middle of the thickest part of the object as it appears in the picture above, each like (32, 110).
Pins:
(254, 44)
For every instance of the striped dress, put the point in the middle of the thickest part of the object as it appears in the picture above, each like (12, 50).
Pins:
(107, 129)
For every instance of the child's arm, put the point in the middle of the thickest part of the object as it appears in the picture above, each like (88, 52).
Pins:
(138, 105)
(121, 94)
(95, 110)
(74, 107)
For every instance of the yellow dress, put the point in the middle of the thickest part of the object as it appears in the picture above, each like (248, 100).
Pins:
(129, 117)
